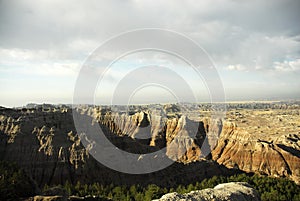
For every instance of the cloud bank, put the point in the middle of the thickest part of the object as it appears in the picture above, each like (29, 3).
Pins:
(255, 45)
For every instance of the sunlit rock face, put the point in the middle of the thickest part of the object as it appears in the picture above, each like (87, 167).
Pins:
(181, 136)
(45, 142)
(234, 191)
(258, 150)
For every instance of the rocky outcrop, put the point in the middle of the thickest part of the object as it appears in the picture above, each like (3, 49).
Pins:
(235, 191)
(135, 126)
(10, 127)
(184, 138)
(269, 155)
(45, 137)
(181, 136)
(40, 144)
(44, 141)
(254, 146)
(47, 146)
(78, 153)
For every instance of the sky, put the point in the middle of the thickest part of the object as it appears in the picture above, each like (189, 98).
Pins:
(253, 45)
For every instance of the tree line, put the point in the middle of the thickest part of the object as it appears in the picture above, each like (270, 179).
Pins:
(15, 184)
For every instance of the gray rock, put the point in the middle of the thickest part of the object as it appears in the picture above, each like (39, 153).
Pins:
(234, 191)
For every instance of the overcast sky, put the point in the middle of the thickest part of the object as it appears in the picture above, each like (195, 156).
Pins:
(255, 45)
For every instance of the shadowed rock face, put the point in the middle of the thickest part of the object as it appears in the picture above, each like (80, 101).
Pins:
(45, 143)
(234, 191)
(276, 155)
(181, 136)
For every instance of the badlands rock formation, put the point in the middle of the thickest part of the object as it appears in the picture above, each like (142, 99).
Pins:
(182, 136)
(265, 140)
(44, 142)
(238, 191)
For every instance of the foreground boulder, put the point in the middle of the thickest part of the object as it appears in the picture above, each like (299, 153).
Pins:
(234, 191)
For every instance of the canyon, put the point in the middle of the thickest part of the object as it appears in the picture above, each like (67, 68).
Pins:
(261, 138)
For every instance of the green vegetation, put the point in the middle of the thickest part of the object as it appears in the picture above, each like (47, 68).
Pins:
(270, 189)
(14, 183)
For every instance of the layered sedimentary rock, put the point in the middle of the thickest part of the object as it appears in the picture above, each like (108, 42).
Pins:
(41, 144)
(263, 153)
(46, 145)
(10, 127)
(181, 136)
(234, 191)
(261, 141)
(45, 142)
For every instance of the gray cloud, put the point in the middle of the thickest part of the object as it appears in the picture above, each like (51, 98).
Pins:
(244, 36)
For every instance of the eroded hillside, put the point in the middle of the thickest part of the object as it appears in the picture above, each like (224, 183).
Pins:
(259, 138)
